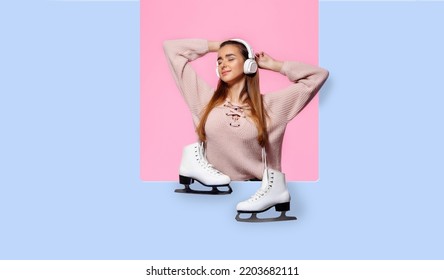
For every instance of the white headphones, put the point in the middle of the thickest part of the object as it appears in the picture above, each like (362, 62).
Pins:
(250, 65)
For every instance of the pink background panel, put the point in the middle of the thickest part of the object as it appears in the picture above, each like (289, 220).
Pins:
(285, 29)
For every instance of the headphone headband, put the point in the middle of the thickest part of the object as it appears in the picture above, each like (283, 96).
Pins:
(249, 49)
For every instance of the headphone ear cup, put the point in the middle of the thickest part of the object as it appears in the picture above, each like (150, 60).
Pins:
(250, 66)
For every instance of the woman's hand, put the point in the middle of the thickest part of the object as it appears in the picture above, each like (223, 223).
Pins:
(264, 61)
(213, 46)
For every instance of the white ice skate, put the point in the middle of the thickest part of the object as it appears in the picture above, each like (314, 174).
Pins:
(195, 167)
(272, 193)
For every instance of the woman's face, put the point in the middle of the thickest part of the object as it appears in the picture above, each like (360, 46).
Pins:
(230, 64)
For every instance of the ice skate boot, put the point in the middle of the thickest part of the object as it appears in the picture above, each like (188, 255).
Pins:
(272, 193)
(195, 167)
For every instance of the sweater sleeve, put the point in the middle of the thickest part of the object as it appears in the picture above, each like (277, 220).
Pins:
(307, 80)
(195, 91)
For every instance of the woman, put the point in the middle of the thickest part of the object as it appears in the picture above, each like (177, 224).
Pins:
(237, 123)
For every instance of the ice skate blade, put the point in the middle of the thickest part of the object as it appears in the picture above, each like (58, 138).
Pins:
(254, 219)
(213, 191)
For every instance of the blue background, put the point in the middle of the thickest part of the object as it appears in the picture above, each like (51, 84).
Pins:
(69, 153)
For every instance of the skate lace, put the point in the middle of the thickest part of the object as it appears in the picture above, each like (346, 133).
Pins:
(269, 179)
(259, 193)
(262, 191)
(208, 166)
(204, 162)
(211, 169)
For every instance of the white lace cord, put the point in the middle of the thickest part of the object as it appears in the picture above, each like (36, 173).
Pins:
(202, 160)
(264, 160)
(261, 192)
(208, 166)
(202, 149)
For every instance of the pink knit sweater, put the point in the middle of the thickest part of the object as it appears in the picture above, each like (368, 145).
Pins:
(232, 145)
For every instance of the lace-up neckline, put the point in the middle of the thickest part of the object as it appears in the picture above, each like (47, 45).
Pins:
(235, 112)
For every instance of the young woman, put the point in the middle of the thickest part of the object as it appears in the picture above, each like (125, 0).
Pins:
(237, 123)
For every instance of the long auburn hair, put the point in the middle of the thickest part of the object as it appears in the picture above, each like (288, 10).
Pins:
(253, 98)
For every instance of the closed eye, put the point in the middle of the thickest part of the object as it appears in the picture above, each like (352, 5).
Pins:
(229, 57)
